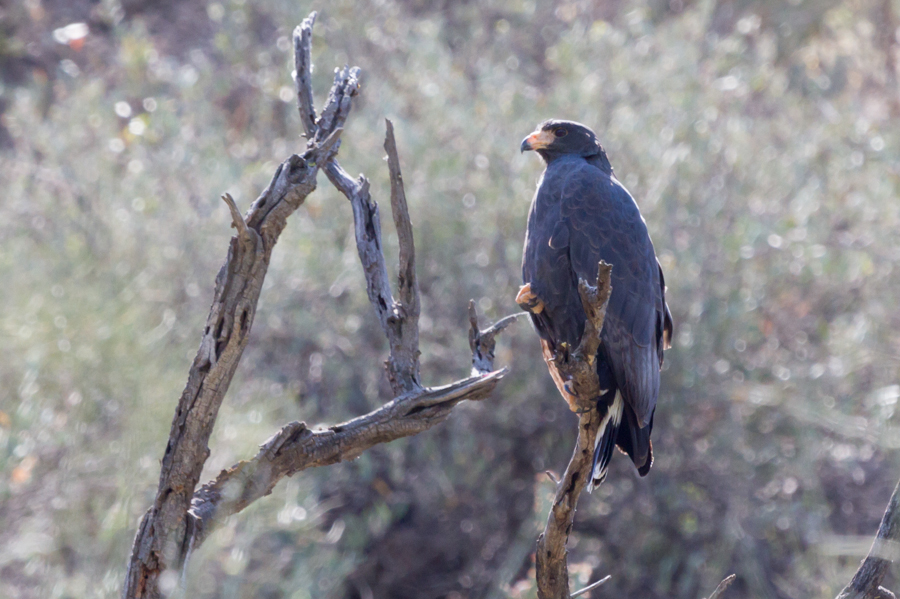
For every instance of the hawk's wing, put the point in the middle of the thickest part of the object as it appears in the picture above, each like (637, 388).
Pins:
(596, 219)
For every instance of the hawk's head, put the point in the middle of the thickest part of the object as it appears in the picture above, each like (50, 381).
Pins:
(554, 138)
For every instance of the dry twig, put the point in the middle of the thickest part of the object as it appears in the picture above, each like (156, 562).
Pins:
(591, 586)
(720, 588)
(483, 342)
(180, 518)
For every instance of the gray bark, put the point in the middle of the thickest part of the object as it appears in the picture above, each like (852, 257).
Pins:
(181, 517)
(866, 583)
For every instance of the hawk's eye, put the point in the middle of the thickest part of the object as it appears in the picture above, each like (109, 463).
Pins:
(560, 132)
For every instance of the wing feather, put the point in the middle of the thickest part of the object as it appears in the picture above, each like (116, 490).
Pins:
(605, 224)
(581, 215)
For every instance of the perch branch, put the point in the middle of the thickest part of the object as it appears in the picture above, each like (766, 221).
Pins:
(578, 366)
(885, 549)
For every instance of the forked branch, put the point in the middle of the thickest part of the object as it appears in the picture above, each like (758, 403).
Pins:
(399, 317)
(484, 342)
(180, 518)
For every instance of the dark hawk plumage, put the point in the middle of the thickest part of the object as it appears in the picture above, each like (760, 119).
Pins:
(580, 215)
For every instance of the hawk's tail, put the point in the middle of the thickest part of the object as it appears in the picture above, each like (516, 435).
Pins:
(606, 439)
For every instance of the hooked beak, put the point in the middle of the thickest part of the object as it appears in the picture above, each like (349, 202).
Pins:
(536, 141)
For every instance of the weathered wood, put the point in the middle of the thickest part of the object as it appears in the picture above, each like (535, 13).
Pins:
(866, 583)
(398, 317)
(161, 542)
(180, 518)
(483, 342)
(578, 367)
(303, 74)
(404, 366)
(720, 588)
(295, 447)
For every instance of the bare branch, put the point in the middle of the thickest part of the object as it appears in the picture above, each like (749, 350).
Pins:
(296, 448)
(303, 74)
(483, 342)
(367, 230)
(236, 217)
(344, 88)
(160, 543)
(720, 588)
(407, 307)
(409, 287)
(867, 580)
(399, 318)
(330, 144)
(551, 562)
(594, 300)
(180, 519)
(579, 367)
(337, 107)
(164, 538)
(591, 587)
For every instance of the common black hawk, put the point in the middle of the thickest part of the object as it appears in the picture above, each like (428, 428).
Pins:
(580, 215)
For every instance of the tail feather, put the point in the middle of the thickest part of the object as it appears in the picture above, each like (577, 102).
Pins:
(606, 440)
(635, 441)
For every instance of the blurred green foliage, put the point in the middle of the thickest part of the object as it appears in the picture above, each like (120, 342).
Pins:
(760, 140)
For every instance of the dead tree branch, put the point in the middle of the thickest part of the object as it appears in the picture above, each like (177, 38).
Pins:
(866, 583)
(578, 367)
(406, 308)
(591, 586)
(483, 342)
(161, 539)
(295, 447)
(398, 317)
(720, 588)
(180, 518)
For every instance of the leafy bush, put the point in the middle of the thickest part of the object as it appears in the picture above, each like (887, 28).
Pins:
(760, 149)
